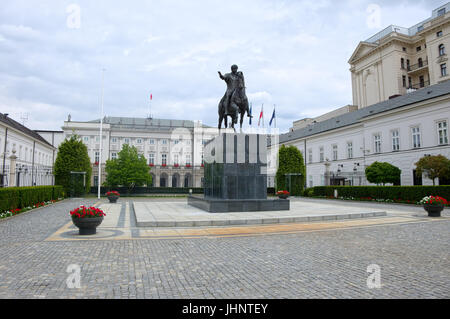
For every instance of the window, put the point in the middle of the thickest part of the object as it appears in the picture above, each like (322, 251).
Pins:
(152, 142)
(409, 82)
(97, 138)
(139, 140)
(151, 159)
(444, 69)
(176, 159)
(442, 132)
(126, 141)
(188, 159)
(439, 34)
(113, 156)
(441, 49)
(86, 139)
(377, 143)
(310, 156)
(164, 142)
(419, 48)
(164, 159)
(321, 154)
(311, 184)
(335, 152)
(408, 65)
(114, 140)
(97, 157)
(176, 142)
(404, 49)
(441, 12)
(349, 149)
(402, 63)
(420, 61)
(415, 131)
(420, 28)
(404, 80)
(422, 81)
(395, 140)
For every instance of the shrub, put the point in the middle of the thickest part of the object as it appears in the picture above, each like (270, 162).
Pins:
(290, 162)
(21, 197)
(383, 173)
(407, 193)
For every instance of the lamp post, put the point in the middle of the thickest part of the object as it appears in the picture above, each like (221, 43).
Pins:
(101, 139)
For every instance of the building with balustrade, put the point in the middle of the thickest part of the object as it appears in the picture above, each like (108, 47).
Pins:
(173, 148)
(398, 60)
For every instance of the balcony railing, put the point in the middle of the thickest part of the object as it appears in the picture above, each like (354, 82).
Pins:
(414, 67)
(420, 85)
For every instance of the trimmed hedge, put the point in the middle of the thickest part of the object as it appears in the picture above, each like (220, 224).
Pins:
(412, 193)
(157, 190)
(147, 190)
(21, 197)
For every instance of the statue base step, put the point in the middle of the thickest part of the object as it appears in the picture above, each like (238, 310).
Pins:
(214, 205)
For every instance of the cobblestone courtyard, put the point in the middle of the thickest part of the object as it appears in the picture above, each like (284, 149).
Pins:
(329, 263)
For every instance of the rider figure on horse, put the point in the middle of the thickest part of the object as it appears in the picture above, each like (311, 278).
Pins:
(235, 93)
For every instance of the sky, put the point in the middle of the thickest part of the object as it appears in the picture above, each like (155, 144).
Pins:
(294, 54)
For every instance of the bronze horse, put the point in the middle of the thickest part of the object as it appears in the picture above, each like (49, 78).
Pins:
(239, 99)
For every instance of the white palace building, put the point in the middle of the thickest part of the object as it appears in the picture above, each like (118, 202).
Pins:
(401, 111)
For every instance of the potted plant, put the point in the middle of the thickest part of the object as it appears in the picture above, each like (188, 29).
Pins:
(87, 219)
(434, 205)
(113, 196)
(283, 194)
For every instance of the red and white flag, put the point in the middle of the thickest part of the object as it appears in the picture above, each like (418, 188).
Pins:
(261, 115)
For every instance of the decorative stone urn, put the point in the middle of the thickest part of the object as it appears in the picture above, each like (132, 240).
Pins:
(87, 226)
(434, 210)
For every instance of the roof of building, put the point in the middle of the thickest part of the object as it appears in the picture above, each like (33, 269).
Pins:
(134, 122)
(355, 117)
(4, 118)
(412, 30)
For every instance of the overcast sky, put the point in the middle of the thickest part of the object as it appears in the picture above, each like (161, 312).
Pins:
(293, 54)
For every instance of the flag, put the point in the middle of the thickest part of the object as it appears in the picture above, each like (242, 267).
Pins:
(273, 117)
(261, 115)
(151, 97)
(250, 119)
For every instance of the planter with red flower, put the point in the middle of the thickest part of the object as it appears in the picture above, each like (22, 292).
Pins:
(434, 205)
(151, 165)
(113, 196)
(283, 194)
(188, 165)
(87, 219)
(176, 165)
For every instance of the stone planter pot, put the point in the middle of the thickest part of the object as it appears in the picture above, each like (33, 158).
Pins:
(434, 210)
(283, 196)
(113, 199)
(87, 226)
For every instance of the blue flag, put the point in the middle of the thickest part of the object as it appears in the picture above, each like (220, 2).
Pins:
(273, 117)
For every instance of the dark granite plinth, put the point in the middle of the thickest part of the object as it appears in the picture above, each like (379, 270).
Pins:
(236, 205)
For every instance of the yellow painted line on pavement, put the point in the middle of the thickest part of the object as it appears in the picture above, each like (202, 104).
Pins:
(126, 233)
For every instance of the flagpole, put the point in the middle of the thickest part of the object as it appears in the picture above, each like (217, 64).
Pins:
(101, 139)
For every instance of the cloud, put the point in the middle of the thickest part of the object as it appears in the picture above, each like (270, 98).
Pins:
(293, 54)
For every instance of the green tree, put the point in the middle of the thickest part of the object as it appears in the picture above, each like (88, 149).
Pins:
(383, 173)
(290, 161)
(73, 157)
(129, 169)
(433, 167)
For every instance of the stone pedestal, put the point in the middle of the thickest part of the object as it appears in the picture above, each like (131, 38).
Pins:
(236, 176)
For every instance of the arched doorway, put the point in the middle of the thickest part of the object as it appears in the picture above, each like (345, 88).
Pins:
(163, 180)
(187, 180)
(175, 180)
(153, 180)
